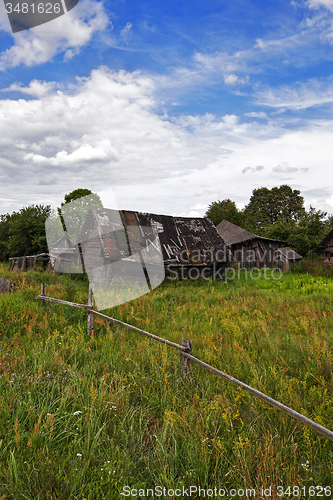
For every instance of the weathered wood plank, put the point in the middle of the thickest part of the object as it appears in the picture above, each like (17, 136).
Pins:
(90, 324)
(82, 306)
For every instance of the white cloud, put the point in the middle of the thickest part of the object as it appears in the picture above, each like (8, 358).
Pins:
(35, 88)
(284, 168)
(258, 168)
(311, 93)
(230, 79)
(315, 4)
(255, 114)
(126, 31)
(105, 132)
(66, 34)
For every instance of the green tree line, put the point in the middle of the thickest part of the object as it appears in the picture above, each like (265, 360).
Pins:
(276, 213)
(23, 232)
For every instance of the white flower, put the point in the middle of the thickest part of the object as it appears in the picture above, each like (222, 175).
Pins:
(77, 412)
(78, 455)
(306, 465)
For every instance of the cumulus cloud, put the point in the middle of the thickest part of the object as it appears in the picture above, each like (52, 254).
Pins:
(106, 131)
(35, 88)
(66, 34)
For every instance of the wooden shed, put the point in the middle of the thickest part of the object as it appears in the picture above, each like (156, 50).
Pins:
(249, 249)
(65, 256)
(325, 248)
(288, 258)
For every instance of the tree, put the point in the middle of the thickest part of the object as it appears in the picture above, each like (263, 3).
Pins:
(267, 206)
(224, 210)
(23, 232)
(80, 193)
(74, 210)
(303, 235)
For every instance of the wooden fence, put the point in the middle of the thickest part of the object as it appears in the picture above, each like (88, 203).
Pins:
(6, 287)
(185, 359)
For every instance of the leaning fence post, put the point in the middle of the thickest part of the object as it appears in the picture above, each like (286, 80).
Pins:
(185, 362)
(90, 324)
(42, 292)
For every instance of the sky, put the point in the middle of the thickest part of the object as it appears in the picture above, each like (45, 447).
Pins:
(169, 105)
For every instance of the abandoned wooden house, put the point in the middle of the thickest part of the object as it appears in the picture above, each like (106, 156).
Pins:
(325, 248)
(251, 250)
(135, 242)
(187, 247)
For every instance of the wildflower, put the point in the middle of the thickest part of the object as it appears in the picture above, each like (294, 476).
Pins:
(306, 465)
(79, 455)
(77, 412)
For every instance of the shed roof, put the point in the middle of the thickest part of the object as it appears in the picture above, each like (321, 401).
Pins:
(232, 234)
(323, 244)
(289, 253)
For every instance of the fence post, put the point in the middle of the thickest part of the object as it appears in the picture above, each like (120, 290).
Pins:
(185, 362)
(90, 323)
(12, 288)
(42, 292)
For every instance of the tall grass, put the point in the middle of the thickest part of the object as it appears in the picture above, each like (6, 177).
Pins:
(82, 417)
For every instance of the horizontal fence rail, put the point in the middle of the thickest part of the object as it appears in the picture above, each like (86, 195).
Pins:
(185, 358)
(285, 409)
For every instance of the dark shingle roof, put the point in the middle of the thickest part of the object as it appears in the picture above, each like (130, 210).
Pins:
(232, 234)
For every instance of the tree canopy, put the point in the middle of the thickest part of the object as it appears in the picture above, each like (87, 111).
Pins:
(267, 206)
(224, 210)
(23, 232)
(75, 209)
(276, 213)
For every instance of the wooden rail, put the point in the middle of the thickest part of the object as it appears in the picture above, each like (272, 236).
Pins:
(185, 358)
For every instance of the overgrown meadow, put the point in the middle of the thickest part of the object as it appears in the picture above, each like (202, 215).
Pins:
(80, 417)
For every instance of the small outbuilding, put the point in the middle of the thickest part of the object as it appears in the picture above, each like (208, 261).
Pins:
(248, 249)
(288, 258)
(325, 248)
(65, 255)
(27, 262)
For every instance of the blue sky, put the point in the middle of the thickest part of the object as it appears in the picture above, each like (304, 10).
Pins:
(172, 105)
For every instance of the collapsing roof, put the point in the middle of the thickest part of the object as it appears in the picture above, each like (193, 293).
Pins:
(184, 240)
(233, 234)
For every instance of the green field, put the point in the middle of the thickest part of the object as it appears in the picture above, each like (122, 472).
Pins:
(80, 417)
